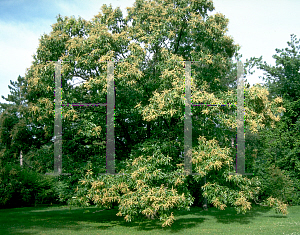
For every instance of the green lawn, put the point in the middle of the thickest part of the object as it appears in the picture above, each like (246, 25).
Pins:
(60, 220)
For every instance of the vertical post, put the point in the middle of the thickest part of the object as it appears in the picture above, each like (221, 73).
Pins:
(188, 121)
(21, 158)
(240, 160)
(21, 153)
(110, 135)
(57, 121)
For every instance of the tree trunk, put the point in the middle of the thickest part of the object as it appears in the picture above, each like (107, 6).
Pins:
(205, 199)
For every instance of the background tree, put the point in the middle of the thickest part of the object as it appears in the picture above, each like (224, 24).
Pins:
(279, 146)
(15, 132)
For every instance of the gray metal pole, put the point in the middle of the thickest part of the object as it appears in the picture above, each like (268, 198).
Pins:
(240, 164)
(57, 121)
(110, 135)
(188, 121)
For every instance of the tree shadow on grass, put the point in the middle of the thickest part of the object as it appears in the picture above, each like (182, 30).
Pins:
(43, 219)
(277, 216)
(194, 217)
(230, 215)
(33, 220)
(144, 224)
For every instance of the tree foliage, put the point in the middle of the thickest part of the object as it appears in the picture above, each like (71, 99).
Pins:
(14, 128)
(149, 110)
(279, 145)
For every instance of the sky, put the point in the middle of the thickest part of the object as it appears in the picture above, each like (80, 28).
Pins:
(258, 26)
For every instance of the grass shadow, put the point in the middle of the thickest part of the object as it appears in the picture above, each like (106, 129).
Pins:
(31, 220)
(47, 218)
(194, 217)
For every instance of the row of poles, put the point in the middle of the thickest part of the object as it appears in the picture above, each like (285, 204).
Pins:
(110, 106)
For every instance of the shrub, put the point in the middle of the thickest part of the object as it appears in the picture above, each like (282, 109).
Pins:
(40, 159)
(62, 190)
(277, 183)
(66, 184)
(23, 187)
(296, 196)
(148, 188)
(150, 185)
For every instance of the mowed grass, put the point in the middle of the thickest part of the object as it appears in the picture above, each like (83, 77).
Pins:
(60, 220)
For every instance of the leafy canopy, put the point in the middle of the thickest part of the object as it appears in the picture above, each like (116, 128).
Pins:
(149, 110)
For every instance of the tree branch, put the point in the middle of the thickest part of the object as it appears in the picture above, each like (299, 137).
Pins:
(179, 37)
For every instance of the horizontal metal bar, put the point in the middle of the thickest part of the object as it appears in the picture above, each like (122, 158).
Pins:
(111, 61)
(48, 61)
(212, 104)
(188, 61)
(90, 104)
(131, 173)
(53, 174)
(234, 173)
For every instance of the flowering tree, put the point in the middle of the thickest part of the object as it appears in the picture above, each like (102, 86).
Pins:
(149, 111)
